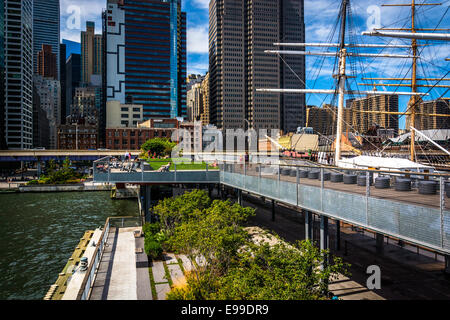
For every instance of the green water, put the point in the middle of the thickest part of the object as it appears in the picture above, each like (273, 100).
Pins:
(39, 231)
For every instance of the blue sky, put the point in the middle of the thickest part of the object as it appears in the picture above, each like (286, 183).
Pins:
(320, 16)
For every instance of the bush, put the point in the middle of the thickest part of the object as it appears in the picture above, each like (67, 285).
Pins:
(153, 248)
(151, 228)
(33, 182)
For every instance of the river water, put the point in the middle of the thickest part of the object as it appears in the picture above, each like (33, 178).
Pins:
(39, 231)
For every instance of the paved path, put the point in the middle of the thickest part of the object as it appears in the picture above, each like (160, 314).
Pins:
(123, 275)
(405, 275)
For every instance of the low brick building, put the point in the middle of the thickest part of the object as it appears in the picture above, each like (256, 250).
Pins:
(133, 138)
(86, 134)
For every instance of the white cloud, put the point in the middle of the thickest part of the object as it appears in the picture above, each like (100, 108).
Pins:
(197, 39)
(201, 3)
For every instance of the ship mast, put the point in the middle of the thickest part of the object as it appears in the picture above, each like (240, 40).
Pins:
(342, 79)
(412, 104)
(342, 54)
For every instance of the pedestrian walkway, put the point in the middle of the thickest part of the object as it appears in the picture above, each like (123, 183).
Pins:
(116, 277)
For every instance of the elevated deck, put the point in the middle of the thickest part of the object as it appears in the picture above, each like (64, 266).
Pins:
(420, 219)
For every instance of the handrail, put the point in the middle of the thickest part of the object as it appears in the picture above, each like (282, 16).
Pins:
(319, 166)
(86, 285)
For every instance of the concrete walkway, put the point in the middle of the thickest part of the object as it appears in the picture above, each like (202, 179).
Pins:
(123, 275)
(116, 277)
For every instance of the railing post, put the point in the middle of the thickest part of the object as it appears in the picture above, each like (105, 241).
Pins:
(441, 207)
(259, 181)
(279, 177)
(322, 184)
(367, 196)
(245, 173)
(298, 181)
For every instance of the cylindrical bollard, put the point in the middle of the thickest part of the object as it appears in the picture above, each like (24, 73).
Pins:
(336, 177)
(349, 179)
(427, 187)
(382, 183)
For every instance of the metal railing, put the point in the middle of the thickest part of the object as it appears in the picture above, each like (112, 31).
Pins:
(417, 218)
(88, 281)
(113, 170)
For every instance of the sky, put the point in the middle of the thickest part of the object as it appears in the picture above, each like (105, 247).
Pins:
(320, 18)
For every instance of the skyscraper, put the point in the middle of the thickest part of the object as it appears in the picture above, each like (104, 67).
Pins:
(46, 28)
(91, 53)
(146, 56)
(18, 46)
(239, 32)
(3, 144)
(46, 62)
(73, 78)
(384, 103)
(62, 80)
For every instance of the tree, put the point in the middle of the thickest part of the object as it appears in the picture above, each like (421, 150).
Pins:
(158, 146)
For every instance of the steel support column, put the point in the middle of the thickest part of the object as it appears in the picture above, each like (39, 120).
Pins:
(379, 243)
(146, 202)
(447, 264)
(324, 234)
(273, 210)
(338, 235)
(324, 243)
(308, 225)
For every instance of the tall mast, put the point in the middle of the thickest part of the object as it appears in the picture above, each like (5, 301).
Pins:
(412, 104)
(413, 82)
(342, 78)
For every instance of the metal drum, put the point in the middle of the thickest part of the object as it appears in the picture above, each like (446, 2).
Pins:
(402, 184)
(362, 180)
(349, 179)
(313, 175)
(427, 187)
(303, 174)
(383, 183)
(336, 177)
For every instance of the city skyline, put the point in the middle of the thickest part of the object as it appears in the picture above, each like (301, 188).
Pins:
(319, 18)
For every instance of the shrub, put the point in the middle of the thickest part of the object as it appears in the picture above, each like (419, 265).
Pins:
(153, 248)
(151, 228)
(33, 182)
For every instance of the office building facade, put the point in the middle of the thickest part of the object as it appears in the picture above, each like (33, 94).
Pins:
(91, 53)
(73, 78)
(46, 62)
(18, 113)
(146, 56)
(49, 91)
(239, 32)
(46, 29)
(3, 144)
(439, 106)
(362, 122)
(63, 81)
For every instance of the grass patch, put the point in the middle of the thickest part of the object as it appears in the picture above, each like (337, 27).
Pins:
(152, 284)
(180, 262)
(169, 278)
(155, 164)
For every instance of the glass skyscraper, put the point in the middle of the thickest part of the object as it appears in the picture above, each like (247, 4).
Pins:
(46, 28)
(146, 46)
(18, 46)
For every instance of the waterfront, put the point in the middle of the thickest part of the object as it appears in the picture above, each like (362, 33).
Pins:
(39, 232)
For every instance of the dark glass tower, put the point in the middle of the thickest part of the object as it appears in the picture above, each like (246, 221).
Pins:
(239, 33)
(146, 46)
(2, 76)
(46, 28)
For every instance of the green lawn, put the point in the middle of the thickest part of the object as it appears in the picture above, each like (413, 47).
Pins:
(158, 163)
